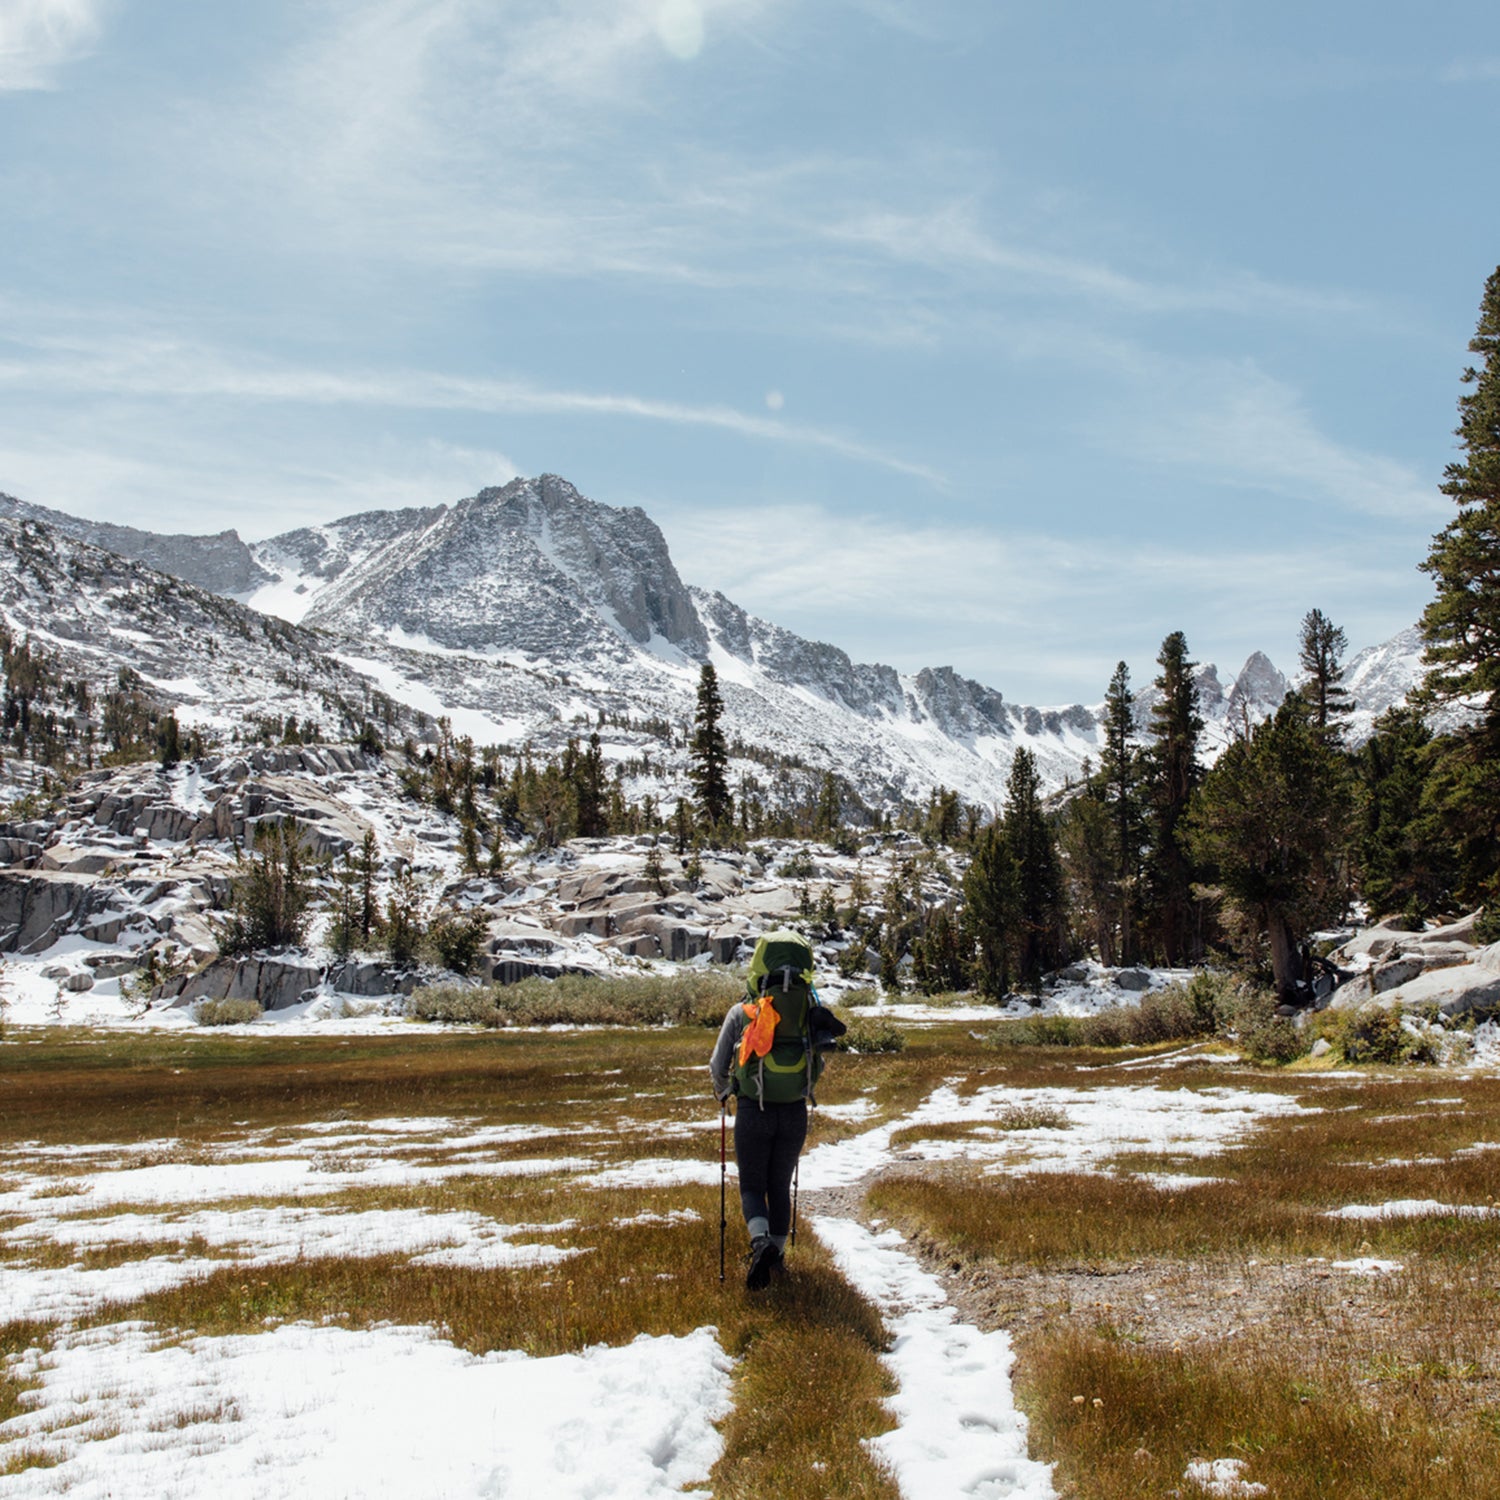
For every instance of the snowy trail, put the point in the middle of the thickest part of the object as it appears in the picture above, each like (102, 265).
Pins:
(959, 1432)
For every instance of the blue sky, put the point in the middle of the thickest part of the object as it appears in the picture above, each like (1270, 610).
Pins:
(1010, 336)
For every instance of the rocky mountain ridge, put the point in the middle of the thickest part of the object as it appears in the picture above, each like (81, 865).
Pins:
(528, 613)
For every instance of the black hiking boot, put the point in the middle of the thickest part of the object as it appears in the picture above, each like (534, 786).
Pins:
(764, 1259)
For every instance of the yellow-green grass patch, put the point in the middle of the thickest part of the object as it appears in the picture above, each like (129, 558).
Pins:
(1122, 1420)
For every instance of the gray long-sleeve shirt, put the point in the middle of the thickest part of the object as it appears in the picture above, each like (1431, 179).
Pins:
(722, 1061)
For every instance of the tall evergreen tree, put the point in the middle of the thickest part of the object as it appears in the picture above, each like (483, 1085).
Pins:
(1406, 863)
(1173, 774)
(1461, 626)
(710, 752)
(1119, 768)
(990, 910)
(1270, 821)
(1037, 942)
(1321, 648)
(1086, 841)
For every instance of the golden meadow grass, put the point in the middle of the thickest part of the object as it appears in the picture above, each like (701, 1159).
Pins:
(809, 1351)
(1329, 1388)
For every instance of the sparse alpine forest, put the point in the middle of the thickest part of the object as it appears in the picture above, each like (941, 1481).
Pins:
(356, 1132)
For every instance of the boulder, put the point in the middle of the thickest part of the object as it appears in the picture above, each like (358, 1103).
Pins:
(1456, 989)
(19, 851)
(111, 965)
(78, 981)
(84, 860)
(1461, 931)
(1377, 941)
(1132, 979)
(275, 982)
(367, 977)
(678, 940)
(165, 823)
(1394, 971)
(38, 906)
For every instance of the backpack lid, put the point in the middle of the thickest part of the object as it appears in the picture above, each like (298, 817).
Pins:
(781, 949)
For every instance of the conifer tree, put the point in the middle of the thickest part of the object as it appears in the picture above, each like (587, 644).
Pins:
(990, 910)
(1406, 864)
(1174, 774)
(1321, 650)
(710, 752)
(1039, 911)
(1270, 821)
(1119, 766)
(1461, 626)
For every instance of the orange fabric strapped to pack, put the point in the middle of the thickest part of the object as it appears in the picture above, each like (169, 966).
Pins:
(761, 1032)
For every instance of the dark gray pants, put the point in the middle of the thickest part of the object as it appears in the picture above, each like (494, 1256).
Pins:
(767, 1143)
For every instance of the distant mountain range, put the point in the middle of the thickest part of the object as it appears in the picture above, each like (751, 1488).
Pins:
(527, 614)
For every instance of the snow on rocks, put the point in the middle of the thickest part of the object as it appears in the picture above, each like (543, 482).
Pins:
(390, 1412)
(958, 1430)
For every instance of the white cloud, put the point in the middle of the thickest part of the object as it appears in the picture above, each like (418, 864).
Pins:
(39, 37)
(1234, 425)
(157, 368)
(1042, 618)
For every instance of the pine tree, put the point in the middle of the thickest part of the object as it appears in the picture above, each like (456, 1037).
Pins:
(710, 753)
(1119, 767)
(1037, 939)
(1087, 842)
(1320, 651)
(1271, 821)
(1461, 626)
(1406, 864)
(1173, 776)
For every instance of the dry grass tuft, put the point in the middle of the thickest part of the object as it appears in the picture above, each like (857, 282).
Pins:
(1306, 1430)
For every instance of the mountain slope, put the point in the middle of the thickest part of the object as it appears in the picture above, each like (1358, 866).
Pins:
(529, 614)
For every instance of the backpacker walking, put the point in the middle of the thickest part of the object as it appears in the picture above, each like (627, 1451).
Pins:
(769, 1056)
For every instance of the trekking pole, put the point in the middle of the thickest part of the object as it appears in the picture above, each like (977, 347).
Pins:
(796, 1175)
(723, 1175)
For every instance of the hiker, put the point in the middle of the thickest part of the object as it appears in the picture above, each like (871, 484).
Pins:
(769, 1056)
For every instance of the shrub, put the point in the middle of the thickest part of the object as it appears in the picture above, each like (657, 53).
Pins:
(855, 999)
(454, 1002)
(872, 1036)
(1263, 1035)
(268, 904)
(1037, 1031)
(456, 939)
(1375, 1034)
(227, 1012)
(693, 998)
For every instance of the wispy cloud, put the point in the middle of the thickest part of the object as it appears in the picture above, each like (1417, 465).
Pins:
(1473, 70)
(1234, 425)
(153, 368)
(951, 237)
(1040, 617)
(40, 37)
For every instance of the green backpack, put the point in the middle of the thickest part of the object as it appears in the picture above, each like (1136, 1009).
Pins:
(781, 971)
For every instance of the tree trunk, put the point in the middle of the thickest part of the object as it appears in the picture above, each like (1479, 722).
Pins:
(1286, 964)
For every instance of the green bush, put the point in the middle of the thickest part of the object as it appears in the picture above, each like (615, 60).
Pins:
(1038, 1031)
(1208, 1004)
(456, 939)
(227, 1012)
(872, 1036)
(1374, 1034)
(1264, 1036)
(696, 997)
(855, 999)
(461, 1003)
